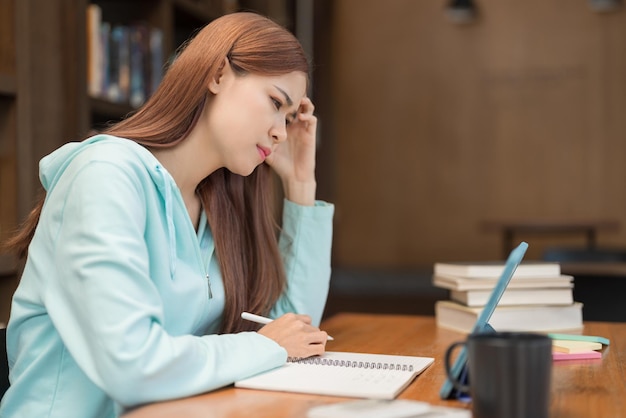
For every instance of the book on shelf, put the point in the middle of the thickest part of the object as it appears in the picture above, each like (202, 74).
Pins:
(119, 64)
(156, 59)
(94, 53)
(358, 375)
(104, 61)
(139, 62)
(462, 283)
(523, 318)
(516, 296)
(493, 269)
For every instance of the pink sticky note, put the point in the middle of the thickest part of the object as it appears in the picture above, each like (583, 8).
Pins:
(576, 356)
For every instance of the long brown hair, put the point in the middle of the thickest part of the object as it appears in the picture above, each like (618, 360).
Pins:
(239, 209)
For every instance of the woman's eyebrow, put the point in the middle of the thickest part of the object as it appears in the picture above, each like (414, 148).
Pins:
(287, 98)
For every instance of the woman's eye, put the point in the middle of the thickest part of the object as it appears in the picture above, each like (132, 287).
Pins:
(277, 103)
(288, 122)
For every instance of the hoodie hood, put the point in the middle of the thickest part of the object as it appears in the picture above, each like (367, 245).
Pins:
(52, 167)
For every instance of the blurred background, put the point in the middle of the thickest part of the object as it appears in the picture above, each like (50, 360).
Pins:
(448, 130)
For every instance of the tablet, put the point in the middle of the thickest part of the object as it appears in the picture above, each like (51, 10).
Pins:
(459, 368)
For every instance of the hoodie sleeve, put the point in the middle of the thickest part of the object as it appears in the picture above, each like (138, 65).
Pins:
(305, 244)
(108, 310)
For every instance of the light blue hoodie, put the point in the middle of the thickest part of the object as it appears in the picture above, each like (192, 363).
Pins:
(113, 308)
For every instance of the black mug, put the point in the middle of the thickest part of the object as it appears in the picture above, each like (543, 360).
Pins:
(509, 374)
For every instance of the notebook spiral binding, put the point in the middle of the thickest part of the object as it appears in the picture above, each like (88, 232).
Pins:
(353, 364)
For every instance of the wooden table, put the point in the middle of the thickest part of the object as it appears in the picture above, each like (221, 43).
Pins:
(580, 389)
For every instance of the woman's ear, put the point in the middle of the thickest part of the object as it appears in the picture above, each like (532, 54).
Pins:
(218, 79)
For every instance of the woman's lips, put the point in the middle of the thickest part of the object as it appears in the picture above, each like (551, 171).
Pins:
(264, 152)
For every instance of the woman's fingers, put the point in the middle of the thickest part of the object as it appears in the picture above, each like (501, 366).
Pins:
(296, 335)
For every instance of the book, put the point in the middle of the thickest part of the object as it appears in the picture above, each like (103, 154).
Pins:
(156, 59)
(461, 283)
(513, 296)
(139, 60)
(346, 374)
(94, 50)
(104, 60)
(115, 47)
(493, 269)
(526, 318)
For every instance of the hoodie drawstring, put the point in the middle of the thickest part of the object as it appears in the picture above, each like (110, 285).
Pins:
(170, 221)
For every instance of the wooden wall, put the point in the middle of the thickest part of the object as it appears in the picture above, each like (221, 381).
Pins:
(437, 127)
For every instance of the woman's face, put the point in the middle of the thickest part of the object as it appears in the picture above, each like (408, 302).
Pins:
(248, 115)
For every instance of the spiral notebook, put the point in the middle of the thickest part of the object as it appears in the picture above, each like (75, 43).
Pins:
(356, 375)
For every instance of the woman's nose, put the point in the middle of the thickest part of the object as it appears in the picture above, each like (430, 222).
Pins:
(279, 132)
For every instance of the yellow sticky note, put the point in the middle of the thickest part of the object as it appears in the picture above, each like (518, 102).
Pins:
(568, 346)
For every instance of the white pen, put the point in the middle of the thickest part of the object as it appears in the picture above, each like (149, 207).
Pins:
(263, 320)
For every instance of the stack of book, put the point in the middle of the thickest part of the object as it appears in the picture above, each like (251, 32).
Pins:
(538, 298)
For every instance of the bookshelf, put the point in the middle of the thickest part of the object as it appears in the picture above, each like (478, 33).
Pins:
(176, 20)
(44, 97)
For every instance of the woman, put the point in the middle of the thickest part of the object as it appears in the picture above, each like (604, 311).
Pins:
(155, 235)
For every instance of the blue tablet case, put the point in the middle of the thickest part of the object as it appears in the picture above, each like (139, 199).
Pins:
(459, 368)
